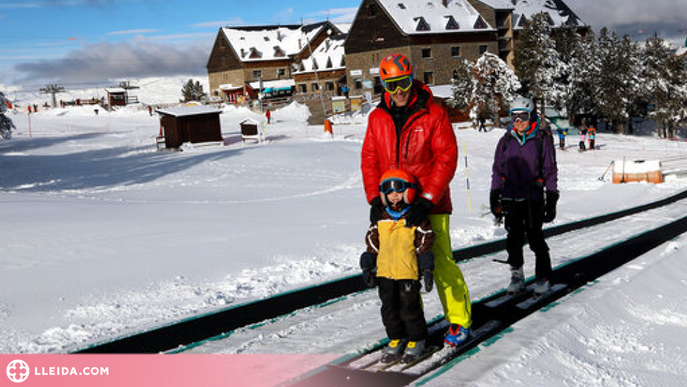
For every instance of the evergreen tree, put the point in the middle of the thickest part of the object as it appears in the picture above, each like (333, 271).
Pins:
(462, 87)
(583, 75)
(192, 91)
(494, 87)
(676, 104)
(538, 64)
(6, 124)
(618, 86)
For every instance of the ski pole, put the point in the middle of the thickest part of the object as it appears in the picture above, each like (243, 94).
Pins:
(601, 178)
(467, 178)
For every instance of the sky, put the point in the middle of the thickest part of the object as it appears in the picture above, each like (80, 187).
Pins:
(87, 42)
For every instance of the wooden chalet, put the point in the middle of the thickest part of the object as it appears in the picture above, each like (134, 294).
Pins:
(244, 55)
(324, 71)
(437, 34)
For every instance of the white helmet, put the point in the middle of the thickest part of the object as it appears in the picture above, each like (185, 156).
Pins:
(522, 104)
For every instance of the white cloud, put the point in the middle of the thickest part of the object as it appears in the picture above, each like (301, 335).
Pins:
(104, 61)
(637, 18)
(285, 16)
(132, 32)
(217, 24)
(337, 15)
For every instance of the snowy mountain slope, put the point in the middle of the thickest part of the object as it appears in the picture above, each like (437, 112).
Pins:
(104, 235)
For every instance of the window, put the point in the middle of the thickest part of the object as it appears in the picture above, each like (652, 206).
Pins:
(315, 86)
(358, 83)
(303, 88)
(281, 72)
(372, 10)
(452, 24)
(329, 86)
(421, 24)
(482, 48)
(455, 51)
(480, 24)
(426, 53)
(257, 74)
(428, 77)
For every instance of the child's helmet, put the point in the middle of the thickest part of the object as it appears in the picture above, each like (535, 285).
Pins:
(395, 66)
(400, 181)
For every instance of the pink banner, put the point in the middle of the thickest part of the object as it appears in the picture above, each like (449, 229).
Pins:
(156, 370)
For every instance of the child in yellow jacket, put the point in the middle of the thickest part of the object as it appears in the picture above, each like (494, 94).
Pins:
(397, 256)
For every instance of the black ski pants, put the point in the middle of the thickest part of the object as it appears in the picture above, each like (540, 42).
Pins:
(402, 312)
(525, 219)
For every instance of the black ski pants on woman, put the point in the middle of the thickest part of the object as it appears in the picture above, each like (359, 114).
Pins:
(525, 219)
(402, 312)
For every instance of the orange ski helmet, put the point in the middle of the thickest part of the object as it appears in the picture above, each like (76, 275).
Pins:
(395, 66)
(399, 181)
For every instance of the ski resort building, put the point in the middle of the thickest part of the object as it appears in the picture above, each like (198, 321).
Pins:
(437, 34)
(243, 57)
(324, 71)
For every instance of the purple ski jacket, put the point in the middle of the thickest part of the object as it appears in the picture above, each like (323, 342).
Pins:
(517, 168)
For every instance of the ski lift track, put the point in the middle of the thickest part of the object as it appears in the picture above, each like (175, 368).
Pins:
(189, 331)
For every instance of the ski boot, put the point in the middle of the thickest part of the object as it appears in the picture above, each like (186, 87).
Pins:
(517, 280)
(413, 350)
(393, 351)
(541, 287)
(456, 335)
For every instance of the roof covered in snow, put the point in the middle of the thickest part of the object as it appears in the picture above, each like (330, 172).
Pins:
(181, 111)
(559, 13)
(253, 44)
(415, 17)
(327, 57)
(499, 4)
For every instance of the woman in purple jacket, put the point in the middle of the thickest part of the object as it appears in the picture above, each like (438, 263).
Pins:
(524, 190)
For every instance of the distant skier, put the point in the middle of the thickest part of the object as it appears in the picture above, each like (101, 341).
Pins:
(524, 190)
(583, 137)
(561, 137)
(591, 135)
(481, 120)
(397, 256)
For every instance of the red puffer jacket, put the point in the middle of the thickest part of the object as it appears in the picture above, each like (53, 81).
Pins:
(426, 148)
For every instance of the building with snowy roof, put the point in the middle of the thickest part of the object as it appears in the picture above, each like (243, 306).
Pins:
(325, 70)
(437, 34)
(242, 55)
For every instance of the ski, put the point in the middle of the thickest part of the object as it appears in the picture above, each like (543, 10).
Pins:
(508, 297)
(447, 353)
(405, 363)
(534, 299)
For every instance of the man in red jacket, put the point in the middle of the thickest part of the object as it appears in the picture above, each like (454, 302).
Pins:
(408, 131)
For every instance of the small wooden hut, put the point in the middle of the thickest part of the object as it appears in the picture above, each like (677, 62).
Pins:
(192, 124)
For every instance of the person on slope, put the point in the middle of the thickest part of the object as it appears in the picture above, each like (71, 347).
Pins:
(409, 131)
(524, 189)
(397, 256)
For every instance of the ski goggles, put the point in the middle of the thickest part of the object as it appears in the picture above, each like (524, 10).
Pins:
(403, 83)
(523, 116)
(395, 185)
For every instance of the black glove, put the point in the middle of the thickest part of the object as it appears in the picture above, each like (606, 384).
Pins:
(376, 210)
(495, 203)
(368, 262)
(550, 206)
(419, 212)
(428, 279)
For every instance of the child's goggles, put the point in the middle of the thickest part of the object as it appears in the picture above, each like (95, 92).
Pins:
(395, 185)
(523, 116)
(404, 83)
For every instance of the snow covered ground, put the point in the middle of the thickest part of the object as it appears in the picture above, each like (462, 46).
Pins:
(104, 235)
